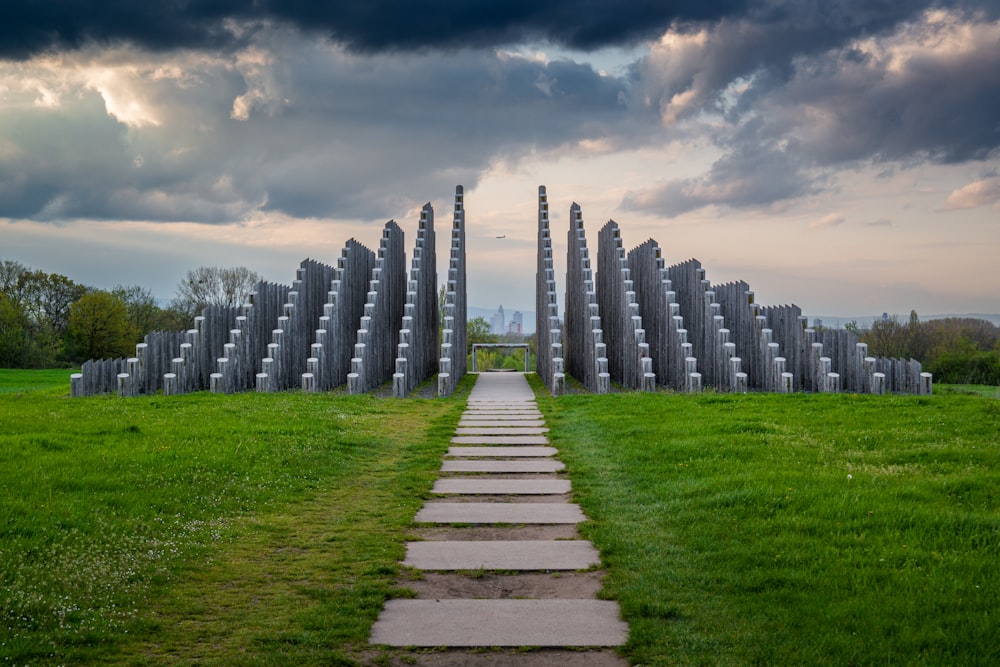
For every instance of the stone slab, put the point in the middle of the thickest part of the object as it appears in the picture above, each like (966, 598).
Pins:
(500, 431)
(492, 422)
(502, 555)
(486, 486)
(494, 466)
(443, 512)
(527, 450)
(500, 623)
(499, 440)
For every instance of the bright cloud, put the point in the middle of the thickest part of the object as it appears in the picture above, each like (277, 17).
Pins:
(985, 192)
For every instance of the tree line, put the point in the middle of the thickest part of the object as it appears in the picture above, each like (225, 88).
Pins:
(959, 350)
(48, 320)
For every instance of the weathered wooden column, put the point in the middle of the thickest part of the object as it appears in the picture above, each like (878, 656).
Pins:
(170, 384)
(581, 334)
(621, 318)
(417, 349)
(454, 341)
(547, 327)
(383, 312)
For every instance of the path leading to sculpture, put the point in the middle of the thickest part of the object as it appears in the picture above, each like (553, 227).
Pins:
(502, 562)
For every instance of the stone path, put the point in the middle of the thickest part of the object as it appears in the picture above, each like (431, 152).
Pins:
(500, 481)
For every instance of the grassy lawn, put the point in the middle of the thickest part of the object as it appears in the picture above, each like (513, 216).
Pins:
(969, 389)
(265, 529)
(204, 529)
(792, 530)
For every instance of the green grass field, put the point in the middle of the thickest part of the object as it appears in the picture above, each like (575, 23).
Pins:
(204, 529)
(793, 530)
(265, 529)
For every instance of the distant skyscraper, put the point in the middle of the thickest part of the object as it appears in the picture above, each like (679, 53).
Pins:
(498, 321)
(516, 322)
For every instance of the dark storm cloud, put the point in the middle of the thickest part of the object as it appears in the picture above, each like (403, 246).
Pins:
(928, 91)
(30, 26)
(366, 25)
(320, 134)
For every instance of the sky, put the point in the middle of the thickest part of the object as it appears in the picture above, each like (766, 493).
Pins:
(842, 155)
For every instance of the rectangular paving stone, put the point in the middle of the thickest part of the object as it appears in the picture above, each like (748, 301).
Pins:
(442, 512)
(501, 407)
(464, 623)
(486, 486)
(499, 440)
(503, 404)
(492, 422)
(500, 431)
(494, 466)
(527, 450)
(493, 415)
(502, 555)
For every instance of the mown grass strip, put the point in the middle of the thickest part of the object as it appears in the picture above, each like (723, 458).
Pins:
(807, 529)
(206, 529)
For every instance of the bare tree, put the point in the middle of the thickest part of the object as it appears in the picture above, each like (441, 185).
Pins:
(214, 286)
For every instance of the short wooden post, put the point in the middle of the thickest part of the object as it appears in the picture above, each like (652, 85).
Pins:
(170, 384)
(123, 385)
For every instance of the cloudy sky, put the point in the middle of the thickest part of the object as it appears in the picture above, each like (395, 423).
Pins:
(843, 155)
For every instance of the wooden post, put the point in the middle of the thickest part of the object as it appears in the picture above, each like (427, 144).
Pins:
(878, 384)
(123, 385)
(170, 384)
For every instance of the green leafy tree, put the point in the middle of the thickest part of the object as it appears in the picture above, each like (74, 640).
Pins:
(140, 308)
(15, 341)
(44, 300)
(99, 327)
(479, 330)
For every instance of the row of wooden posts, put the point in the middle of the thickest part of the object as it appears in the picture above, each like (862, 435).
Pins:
(634, 322)
(640, 324)
(361, 323)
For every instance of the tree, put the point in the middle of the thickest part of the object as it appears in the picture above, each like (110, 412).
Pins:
(43, 301)
(479, 330)
(214, 286)
(442, 302)
(140, 305)
(99, 327)
(10, 276)
(888, 338)
(15, 340)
